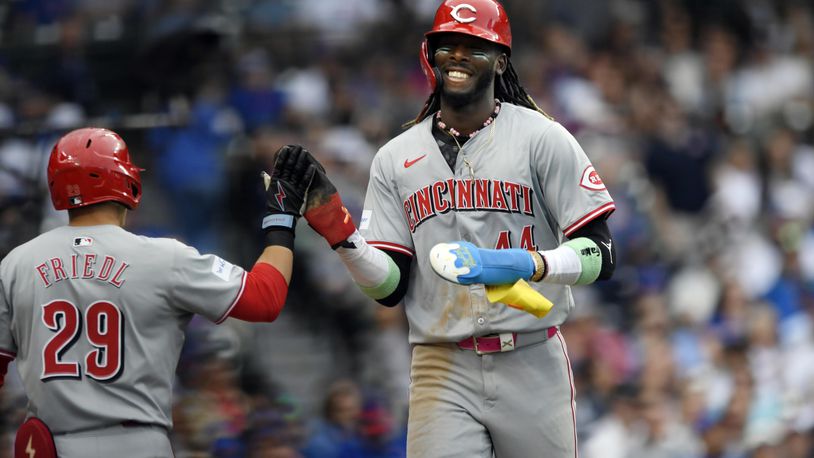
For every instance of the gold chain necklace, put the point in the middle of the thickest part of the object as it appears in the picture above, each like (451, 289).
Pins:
(464, 157)
(452, 132)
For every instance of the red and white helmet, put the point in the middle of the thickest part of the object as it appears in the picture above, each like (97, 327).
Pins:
(484, 19)
(92, 165)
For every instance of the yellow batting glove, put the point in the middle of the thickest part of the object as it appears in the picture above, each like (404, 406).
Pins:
(520, 296)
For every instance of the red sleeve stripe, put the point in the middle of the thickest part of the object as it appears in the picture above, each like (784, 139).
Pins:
(234, 302)
(392, 247)
(607, 208)
(7, 354)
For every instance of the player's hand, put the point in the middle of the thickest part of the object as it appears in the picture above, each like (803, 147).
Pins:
(324, 209)
(463, 263)
(286, 187)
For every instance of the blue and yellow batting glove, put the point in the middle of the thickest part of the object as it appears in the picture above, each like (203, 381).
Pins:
(463, 263)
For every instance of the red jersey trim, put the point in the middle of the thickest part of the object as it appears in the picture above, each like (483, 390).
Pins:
(606, 208)
(7, 354)
(392, 247)
(234, 302)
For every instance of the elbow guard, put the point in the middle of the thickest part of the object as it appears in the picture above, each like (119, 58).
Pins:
(402, 263)
(608, 258)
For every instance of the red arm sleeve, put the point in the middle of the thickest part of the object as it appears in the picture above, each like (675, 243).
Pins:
(264, 295)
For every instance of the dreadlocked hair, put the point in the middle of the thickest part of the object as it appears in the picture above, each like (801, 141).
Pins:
(507, 89)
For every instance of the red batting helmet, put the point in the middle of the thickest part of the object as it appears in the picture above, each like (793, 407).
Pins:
(92, 165)
(484, 19)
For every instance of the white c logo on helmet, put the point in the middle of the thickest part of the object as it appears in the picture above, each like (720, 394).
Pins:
(457, 15)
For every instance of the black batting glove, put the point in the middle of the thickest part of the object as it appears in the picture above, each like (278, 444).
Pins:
(286, 188)
(324, 210)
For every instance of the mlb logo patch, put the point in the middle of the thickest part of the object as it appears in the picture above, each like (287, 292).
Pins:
(82, 241)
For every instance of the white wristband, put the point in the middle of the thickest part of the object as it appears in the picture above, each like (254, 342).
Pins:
(279, 220)
(562, 266)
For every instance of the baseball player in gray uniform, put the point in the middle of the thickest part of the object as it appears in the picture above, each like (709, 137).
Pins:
(483, 189)
(95, 315)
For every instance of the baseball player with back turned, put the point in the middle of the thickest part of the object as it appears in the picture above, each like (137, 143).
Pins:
(482, 193)
(95, 315)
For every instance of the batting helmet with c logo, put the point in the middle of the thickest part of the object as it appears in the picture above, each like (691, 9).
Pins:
(484, 19)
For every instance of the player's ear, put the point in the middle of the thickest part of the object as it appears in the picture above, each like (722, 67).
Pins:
(501, 64)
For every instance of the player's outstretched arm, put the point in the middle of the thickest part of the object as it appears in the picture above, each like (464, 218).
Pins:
(380, 275)
(266, 285)
(286, 189)
(580, 261)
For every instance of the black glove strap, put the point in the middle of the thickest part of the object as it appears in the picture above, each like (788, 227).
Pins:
(281, 237)
(344, 244)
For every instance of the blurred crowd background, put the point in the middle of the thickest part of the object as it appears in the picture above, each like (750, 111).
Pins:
(699, 116)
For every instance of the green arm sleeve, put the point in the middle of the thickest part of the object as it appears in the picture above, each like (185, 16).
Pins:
(389, 284)
(590, 257)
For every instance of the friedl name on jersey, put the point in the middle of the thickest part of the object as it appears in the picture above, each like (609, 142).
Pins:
(82, 267)
(467, 195)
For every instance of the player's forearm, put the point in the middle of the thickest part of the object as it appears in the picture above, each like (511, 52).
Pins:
(589, 256)
(280, 257)
(575, 262)
(266, 286)
(579, 261)
(263, 295)
(376, 274)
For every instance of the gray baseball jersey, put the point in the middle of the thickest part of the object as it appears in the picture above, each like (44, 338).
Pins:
(522, 182)
(96, 318)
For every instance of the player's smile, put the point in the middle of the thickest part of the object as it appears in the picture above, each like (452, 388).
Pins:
(457, 75)
(458, 80)
(460, 65)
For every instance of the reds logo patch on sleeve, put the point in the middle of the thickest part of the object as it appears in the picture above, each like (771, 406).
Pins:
(591, 180)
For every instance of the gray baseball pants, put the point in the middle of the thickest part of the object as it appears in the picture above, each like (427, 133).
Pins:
(517, 404)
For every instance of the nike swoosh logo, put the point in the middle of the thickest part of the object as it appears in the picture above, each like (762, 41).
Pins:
(408, 163)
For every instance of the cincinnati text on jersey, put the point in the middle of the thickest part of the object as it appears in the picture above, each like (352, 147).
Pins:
(82, 267)
(467, 195)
